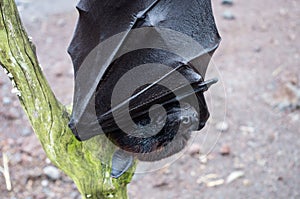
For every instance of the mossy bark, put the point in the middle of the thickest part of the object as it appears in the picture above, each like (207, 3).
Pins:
(49, 118)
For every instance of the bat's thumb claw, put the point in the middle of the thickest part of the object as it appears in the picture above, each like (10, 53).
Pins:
(204, 86)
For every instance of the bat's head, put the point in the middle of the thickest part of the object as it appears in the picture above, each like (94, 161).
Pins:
(187, 116)
(161, 136)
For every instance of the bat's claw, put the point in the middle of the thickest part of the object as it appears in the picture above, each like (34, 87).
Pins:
(204, 86)
(121, 162)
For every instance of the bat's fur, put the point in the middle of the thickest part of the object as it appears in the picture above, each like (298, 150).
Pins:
(149, 143)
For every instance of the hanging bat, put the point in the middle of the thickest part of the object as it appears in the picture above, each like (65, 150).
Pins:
(164, 44)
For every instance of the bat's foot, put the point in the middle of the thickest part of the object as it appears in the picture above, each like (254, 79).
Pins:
(121, 162)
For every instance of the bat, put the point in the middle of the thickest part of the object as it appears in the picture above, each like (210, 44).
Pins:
(129, 57)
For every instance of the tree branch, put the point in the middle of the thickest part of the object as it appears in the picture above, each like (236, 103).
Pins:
(49, 118)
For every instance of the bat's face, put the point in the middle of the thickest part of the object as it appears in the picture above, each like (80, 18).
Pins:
(165, 136)
(167, 142)
(179, 123)
(187, 116)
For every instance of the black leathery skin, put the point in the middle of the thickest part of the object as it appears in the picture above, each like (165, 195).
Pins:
(100, 20)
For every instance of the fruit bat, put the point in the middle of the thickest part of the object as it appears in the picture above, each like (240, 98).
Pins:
(168, 43)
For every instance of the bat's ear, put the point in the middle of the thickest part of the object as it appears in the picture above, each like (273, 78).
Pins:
(121, 162)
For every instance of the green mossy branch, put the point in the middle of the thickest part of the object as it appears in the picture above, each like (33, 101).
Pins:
(49, 118)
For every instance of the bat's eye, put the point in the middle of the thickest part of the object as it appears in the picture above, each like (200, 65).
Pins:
(185, 120)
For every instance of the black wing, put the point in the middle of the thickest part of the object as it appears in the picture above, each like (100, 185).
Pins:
(101, 20)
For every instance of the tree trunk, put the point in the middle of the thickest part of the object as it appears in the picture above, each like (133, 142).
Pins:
(49, 118)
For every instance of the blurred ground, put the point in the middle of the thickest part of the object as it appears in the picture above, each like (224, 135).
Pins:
(255, 110)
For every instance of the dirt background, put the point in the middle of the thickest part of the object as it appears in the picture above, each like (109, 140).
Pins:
(255, 110)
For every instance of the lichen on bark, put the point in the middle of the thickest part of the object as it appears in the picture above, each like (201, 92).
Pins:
(49, 118)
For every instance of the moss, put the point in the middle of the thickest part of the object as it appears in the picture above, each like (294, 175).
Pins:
(80, 160)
